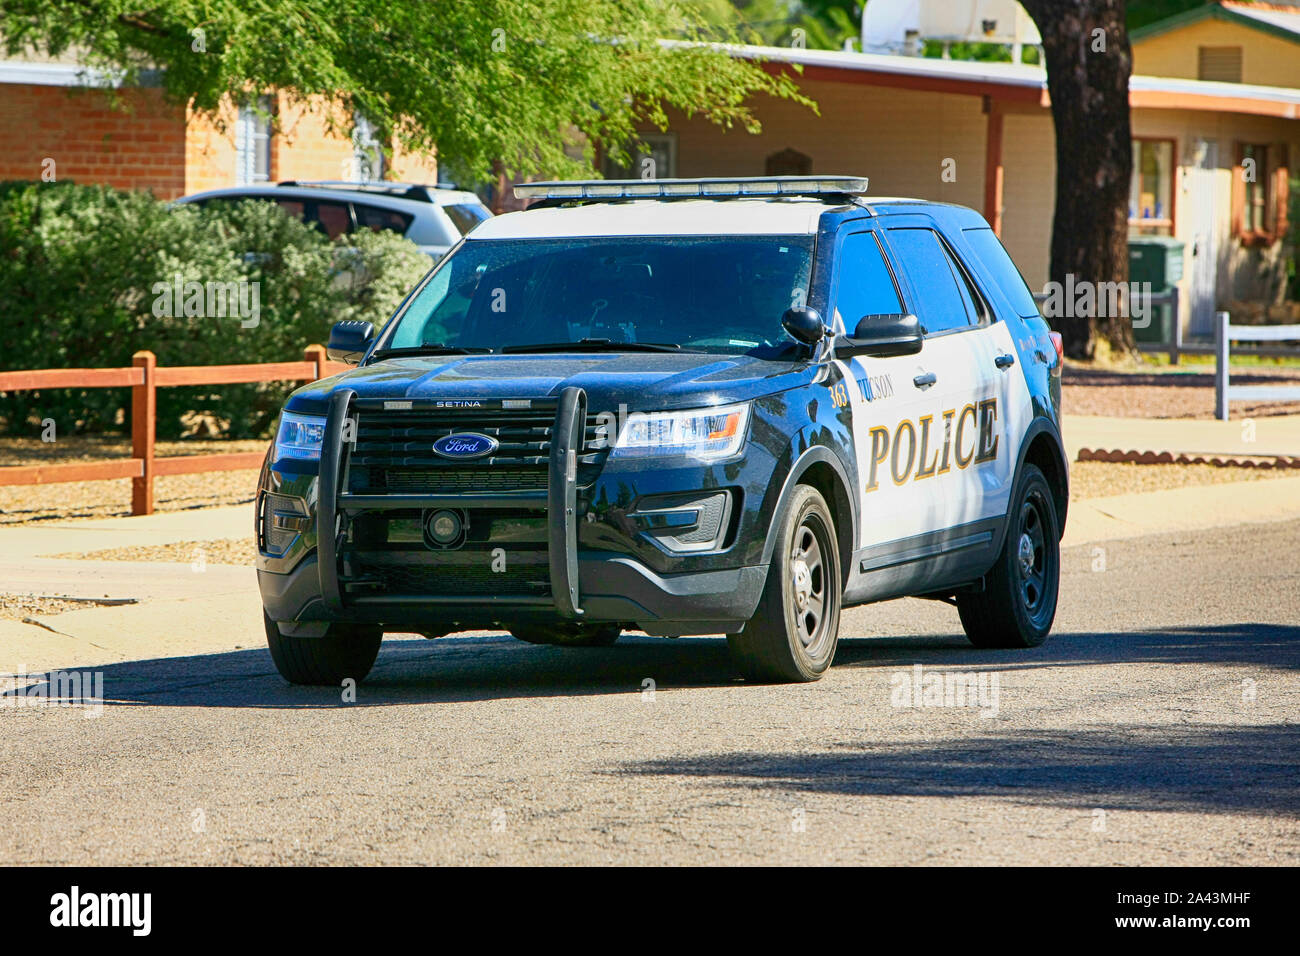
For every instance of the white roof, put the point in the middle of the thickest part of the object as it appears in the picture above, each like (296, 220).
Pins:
(654, 217)
(1285, 18)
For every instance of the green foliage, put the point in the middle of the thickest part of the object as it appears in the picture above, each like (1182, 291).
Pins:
(480, 80)
(87, 278)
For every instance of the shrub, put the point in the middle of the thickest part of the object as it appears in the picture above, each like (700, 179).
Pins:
(89, 275)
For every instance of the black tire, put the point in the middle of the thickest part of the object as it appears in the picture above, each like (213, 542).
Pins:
(569, 634)
(793, 633)
(1018, 603)
(345, 650)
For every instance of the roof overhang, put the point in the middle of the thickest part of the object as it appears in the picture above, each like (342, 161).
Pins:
(1015, 83)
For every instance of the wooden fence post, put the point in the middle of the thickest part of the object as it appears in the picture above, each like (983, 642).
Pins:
(144, 419)
(316, 353)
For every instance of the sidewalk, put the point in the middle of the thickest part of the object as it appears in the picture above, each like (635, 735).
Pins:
(1271, 437)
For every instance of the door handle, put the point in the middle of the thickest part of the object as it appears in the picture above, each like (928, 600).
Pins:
(1006, 360)
(925, 380)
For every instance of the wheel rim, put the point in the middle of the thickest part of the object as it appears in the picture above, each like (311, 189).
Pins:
(808, 584)
(1035, 560)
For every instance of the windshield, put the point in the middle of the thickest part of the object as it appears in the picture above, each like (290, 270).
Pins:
(704, 293)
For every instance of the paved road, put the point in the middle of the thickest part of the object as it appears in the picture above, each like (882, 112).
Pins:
(1157, 726)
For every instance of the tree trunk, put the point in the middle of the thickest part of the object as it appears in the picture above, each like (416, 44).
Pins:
(1089, 61)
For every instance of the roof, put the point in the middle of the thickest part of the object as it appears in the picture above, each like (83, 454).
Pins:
(1275, 19)
(655, 217)
(1022, 82)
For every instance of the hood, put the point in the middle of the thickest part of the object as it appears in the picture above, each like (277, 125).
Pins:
(644, 381)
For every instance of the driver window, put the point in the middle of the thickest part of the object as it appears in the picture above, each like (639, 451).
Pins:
(864, 285)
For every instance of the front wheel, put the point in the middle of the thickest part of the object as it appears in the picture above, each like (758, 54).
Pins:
(793, 634)
(1018, 603)
(343, 651)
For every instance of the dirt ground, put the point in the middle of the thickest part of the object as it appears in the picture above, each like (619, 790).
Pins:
(21, 504)
(1163, 392)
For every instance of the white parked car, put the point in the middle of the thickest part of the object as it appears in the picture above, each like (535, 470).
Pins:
(432, 217)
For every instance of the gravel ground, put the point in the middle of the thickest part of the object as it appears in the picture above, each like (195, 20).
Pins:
(1167, 393)
(238, 551)
(1101, 479)
(16, 607)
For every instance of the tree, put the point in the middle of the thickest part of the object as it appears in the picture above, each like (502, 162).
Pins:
(1085, 45)
(482, 81)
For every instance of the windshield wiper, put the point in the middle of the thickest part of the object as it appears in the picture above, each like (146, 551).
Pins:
(433, 349)
(595, 345)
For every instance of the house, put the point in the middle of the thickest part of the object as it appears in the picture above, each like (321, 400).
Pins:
(1212, 159)
(59, 121)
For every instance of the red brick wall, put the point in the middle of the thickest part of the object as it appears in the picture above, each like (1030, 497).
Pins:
(140, 146)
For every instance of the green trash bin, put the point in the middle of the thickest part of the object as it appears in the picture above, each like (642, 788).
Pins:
(1159, 261)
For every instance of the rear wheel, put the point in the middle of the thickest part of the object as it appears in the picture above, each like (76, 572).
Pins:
(345, 650)
(569, 634)
(794, 632)
(1018, 603)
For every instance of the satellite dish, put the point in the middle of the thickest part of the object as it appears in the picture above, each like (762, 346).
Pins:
(898, 26)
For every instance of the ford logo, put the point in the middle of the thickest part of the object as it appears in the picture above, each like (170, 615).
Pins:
(465, 445)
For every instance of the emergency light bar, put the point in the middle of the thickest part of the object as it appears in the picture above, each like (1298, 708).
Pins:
(612, 189)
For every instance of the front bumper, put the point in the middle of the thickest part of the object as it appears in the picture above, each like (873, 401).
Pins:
(593, 585)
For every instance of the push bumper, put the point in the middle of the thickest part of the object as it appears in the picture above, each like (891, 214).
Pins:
(590, 586)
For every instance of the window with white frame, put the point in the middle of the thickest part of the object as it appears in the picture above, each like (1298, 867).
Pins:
(253, 143)
(367, 151)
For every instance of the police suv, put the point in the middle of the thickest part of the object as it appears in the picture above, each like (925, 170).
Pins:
(683, 407)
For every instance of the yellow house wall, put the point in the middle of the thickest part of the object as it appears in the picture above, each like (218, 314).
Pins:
(1266, 60)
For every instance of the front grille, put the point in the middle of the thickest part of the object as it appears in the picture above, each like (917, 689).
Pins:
(469, 571)
(450, 481)
(393, 452)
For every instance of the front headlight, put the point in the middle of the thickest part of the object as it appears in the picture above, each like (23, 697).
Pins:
(300, 436)
(703, 433)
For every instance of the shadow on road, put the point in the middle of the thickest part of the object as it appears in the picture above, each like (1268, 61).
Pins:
(1194, 769)
(458, 669)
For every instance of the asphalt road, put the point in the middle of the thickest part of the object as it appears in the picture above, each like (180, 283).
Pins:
(1158, 725)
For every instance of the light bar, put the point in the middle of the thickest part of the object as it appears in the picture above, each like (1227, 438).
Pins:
(610, 189)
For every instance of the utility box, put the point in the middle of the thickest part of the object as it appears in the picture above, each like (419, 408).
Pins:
(1157, 260)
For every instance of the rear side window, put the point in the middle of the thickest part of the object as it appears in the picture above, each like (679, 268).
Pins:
(943, 302)
(465, 216)
(865, 285)
(994, 256)
(378, 220)
(333, 218)
(292, 207)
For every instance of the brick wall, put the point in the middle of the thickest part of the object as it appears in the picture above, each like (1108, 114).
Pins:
(140, 146)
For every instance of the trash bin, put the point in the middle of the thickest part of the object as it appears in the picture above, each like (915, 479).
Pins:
(1157, 260)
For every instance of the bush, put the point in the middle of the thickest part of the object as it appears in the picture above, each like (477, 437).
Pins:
(88, 276)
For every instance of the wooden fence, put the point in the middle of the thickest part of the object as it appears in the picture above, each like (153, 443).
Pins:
(144, 378)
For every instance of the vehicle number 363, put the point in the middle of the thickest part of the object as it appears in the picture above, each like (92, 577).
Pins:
(839, 395)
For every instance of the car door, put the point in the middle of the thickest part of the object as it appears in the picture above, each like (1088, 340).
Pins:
(881, 393)
(967, 395)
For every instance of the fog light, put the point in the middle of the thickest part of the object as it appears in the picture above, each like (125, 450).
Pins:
(445, 529)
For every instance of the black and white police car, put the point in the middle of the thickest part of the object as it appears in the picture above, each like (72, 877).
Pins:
(684, 407)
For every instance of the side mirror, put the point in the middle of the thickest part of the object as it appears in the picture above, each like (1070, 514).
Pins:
(883, 335)
(804, 325)
(349, 340)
